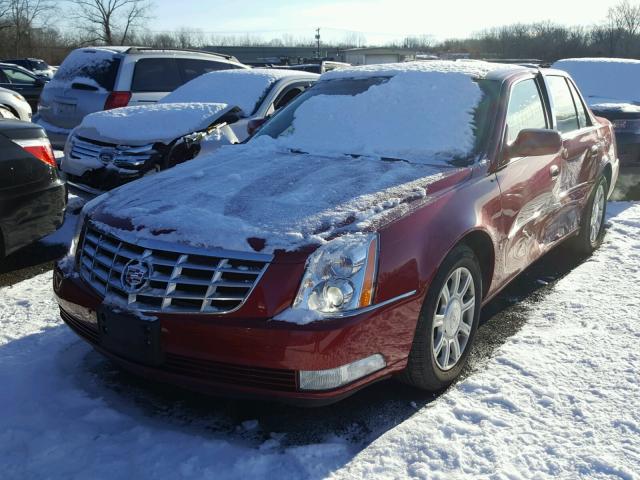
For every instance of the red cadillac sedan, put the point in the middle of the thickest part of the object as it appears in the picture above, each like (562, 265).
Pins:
(354, 238)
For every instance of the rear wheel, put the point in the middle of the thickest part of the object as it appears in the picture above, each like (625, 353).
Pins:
(591, 231)
(447, 324)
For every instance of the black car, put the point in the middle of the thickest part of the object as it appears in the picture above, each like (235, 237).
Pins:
(33, 198)
(626, 123)
(36, 66)
(22, 81)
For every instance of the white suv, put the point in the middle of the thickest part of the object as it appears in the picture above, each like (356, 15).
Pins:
(101, 78)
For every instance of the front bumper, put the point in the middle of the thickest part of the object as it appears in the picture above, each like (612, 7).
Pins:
(255, 358)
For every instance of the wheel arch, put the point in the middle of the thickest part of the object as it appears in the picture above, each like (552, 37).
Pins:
(480, 242)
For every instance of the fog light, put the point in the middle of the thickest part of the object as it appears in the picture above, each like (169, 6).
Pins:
(337, 377)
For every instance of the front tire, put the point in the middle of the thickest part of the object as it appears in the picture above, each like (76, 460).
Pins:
(447, 324)
(591, 231)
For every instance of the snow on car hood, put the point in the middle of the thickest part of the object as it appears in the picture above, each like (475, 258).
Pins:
(258, 196)
(604, 80)
(144, 124)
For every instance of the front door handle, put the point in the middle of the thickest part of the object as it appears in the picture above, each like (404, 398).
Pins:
(554, 171)
(595, 149)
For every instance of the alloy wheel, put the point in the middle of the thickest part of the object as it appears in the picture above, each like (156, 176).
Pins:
(453, 318)
(597, 211)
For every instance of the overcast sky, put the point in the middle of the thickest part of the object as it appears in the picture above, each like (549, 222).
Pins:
(378, 20)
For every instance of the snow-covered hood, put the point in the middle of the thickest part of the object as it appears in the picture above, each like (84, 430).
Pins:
(145, 124)
(261, 198)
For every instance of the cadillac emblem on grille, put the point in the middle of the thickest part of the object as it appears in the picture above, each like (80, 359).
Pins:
(135, 275)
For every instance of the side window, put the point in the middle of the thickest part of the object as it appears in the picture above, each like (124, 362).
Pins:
(192, 68)
(583, 116)
(525, 109)
(156, 75)
(16, 76)
(563, 105)
(286, 96)
(3, 77)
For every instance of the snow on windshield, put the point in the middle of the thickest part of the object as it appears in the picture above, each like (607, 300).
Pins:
(241, 88)
(604, 80)
(153, 123)
(94, 67)
(415, 115)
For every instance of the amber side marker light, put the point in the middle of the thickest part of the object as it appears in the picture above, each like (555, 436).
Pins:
(368, 285)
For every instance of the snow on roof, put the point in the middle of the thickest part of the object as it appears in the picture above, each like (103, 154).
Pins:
(419, 114)
(242, 88)
(145, 124)
(472, 68)
(259, 191)
(604, 80)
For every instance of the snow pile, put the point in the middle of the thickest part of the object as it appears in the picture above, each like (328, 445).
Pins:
(242, 88)
(87, 66)
(561, 399)
(415, 115)
(143, 124)
(257, 191)
(616, 107)
(59, 420)
(473, 68)
(604, 80)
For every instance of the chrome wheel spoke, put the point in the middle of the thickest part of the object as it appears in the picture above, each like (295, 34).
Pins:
(455, 349)
(444, 296)
(469, 304)
(456, 282)
(438, 321)
(465, 287)
(465, 329)
(446, 348)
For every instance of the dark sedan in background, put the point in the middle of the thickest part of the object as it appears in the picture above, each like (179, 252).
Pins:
(611, 86)
(22, 81)
(32, 196)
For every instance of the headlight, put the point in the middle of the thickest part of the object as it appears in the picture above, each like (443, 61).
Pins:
(73, 246)
(339, 276)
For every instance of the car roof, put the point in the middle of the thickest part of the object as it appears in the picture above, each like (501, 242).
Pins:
(138, 50)
(17, 67)
(473, 68)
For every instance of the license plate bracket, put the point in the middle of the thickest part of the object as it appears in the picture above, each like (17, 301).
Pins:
(130, 337)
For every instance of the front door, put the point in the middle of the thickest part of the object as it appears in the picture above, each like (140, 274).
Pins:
(528, 185)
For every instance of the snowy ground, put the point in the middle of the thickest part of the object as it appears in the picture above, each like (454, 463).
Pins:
(559, 398)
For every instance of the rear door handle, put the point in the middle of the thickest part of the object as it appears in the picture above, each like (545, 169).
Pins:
(595, 149)
(554, 171)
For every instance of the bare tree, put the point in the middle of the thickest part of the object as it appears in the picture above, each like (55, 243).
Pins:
(625, 18)
(21, 15)
(111, 21)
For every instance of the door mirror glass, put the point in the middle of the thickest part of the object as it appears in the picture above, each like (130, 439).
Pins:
(532, 142)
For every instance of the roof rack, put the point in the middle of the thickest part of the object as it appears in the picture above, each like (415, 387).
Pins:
(189, 50)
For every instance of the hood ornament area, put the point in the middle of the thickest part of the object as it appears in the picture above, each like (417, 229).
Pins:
(135, 275)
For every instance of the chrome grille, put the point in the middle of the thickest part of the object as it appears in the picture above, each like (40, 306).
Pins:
(120, 155)
(178, 280)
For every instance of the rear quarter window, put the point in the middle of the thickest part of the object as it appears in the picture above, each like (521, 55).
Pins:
(99, 66)
(563, 106)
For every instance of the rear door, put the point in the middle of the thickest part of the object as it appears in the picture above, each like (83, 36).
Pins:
(155, 77)
(81, 86)
(528, 185)
(582, 148)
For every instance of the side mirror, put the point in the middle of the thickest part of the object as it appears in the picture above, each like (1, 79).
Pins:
(40, 82)
(254, 125)
(532, 142)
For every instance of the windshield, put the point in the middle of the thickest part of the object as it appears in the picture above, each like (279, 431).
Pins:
(39, 65)
(428, 118)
